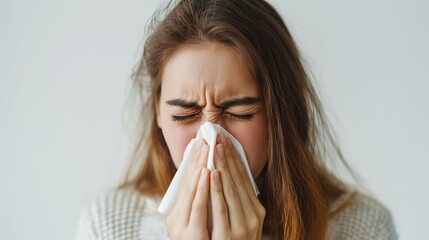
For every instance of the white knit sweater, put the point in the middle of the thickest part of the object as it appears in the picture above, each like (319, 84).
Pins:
(127, 215)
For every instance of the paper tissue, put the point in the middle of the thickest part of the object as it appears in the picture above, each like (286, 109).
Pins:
(209, 132)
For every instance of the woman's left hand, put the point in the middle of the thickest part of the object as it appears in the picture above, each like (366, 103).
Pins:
(236, 210)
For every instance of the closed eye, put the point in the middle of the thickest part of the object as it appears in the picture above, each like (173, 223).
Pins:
(182, 118)
(241, 117)
(192, 116)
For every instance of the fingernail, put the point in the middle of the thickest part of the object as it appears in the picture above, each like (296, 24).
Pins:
(219, 148)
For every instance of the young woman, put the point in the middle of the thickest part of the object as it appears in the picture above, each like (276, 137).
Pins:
(233, 63)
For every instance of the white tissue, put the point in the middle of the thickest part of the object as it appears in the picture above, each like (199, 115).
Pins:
(209, 132)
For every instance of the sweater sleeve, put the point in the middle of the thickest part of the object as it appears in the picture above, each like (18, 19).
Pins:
(86, 227)
(365, 219)
(121, 215)
(386, 228)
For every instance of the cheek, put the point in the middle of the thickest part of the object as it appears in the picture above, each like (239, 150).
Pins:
(253, 138)
(177, 138)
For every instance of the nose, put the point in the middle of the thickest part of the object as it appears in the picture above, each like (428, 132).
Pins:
(213, 116)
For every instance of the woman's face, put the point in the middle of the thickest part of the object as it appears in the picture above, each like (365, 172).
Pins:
(210, 83)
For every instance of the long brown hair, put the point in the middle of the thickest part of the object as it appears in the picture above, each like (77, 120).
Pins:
(296, 186)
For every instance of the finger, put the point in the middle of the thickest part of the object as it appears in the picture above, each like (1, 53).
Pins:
(232, 199)
(240, 170)
(219, 207)
(255, 212)
(196, 162)
(189, 185)
(180, 204)
(198, 218)
(232, 160)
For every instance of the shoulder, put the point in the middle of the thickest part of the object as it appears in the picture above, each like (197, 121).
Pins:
(363, 217)
(121, 214)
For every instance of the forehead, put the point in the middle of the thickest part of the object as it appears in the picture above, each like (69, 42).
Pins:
(215, 68)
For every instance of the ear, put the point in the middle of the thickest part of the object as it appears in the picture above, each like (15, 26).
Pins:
(157, 112)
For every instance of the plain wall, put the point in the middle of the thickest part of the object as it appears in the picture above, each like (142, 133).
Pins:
(65, 67)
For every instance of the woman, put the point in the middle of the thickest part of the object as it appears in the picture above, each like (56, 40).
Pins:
(233, 63)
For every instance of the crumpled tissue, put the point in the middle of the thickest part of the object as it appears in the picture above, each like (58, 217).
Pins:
(209, 132)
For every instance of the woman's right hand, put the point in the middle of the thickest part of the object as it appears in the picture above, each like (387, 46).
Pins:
(188, 219)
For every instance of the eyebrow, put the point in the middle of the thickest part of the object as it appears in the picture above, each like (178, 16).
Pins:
(225, 104)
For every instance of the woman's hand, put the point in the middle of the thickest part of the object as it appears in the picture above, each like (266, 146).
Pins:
(188, 219)
(237, 212)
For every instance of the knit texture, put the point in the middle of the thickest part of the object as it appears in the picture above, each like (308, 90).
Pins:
(127, 215)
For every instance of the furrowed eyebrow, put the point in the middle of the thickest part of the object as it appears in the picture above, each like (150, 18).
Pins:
(239, 101)
(225, 104)
(183, 103)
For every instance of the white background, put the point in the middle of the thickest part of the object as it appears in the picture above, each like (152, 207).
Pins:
(65, 66)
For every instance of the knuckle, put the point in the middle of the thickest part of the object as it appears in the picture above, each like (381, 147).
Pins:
(261, 212)
(240, 233)
(218, 189)
(240, 181)
(232, 192)
(198, 207)
(220, 208)
(253, 223)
